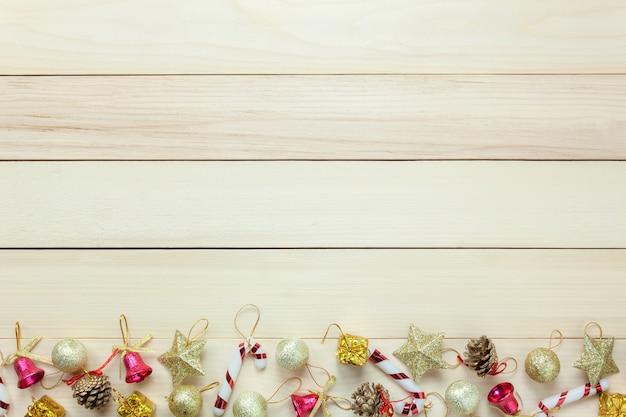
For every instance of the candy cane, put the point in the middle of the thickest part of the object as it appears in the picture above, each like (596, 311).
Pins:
(4, 399)
(416, 404)
(574, 394)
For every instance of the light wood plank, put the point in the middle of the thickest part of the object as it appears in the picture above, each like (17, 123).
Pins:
(291, 36)
(313, 204)
(375, 293)
(304, 117)
(217, 354)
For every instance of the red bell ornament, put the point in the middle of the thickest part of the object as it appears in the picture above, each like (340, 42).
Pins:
(503, 397)
(136, 368)
(27, 373)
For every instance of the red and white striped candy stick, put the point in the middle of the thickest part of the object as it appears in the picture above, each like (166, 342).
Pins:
(417, 396)
(249, 346)
(574, 394)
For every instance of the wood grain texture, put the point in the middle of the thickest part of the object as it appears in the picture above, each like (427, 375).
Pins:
(294, 36)
(313, 117)
(375, 293)
(313, 204)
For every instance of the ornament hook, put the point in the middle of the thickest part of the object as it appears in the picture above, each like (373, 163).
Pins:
(458, 356)
(258, 318)
(328, 329)
(269, 400)
(560, 339)
(18, 335)
(594, 324)
(430, 404)
(200, 332)
(124, 329)
(212, 385)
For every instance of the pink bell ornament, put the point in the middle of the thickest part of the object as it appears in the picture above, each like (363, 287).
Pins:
(503, 397)
(27, 373)
(304, 404)
(136, 369)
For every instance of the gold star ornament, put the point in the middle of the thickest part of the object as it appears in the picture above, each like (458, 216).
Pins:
(597, 359)
(421, 352)
(183, 359)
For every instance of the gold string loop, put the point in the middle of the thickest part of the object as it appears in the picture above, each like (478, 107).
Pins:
(430, 404)
(269, 400)
(551, 337)
(322, 397)
(328, 329)
(200, 332)
(212, 385)
(594, 324)
(137, 347)
(256, 323)
(458, 356)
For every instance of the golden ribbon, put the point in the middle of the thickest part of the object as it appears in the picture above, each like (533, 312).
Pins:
(26, 353)
(322, 397)
(124, 349)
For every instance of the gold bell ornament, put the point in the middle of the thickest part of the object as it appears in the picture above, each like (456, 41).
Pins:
(45, 407)
(136, 405)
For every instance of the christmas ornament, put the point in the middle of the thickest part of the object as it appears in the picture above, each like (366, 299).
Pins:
(27, 373)
(136, 369)
(45, 407)
(186, 400)
(69, 355)
(136, 405)
(351, 350)
(612, 405)
(308, 404)
(542, 364)
(575, 394)
(5, 404)
(292, 353)
(421, 352)
(183, 358)
(92, 389)
(462, 397)
(597, 359)
(480, 356)
(248, 346)
(503, 397)
(370, 400)
(253, 404)
(417, 397)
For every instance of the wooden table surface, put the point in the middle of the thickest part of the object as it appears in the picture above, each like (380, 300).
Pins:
(456, 165)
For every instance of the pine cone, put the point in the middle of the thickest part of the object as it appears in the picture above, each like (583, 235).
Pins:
(367, 400)
(480, 355)
(92, 391)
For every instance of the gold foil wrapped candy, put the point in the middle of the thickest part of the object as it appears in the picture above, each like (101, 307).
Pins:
(351, 349)
(612, 405)
(45, 407)
(136, 405)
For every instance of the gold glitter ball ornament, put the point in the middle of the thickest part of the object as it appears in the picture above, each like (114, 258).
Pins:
(292, 353)
(69, 355)
(250, 404)
(185, 401)
(542, 365)
(45, 407)
(136, 405)
(462, 397)
(612, 405)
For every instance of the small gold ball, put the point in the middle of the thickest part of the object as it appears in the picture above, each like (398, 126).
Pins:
(250, 404)
(292, 353)
(185, 401)
(462, 397)
(69, 355)
(542, 365)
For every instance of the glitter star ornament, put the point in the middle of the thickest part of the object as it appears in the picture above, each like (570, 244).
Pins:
(421, 352)
(597, 359)
(183, 359)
